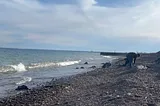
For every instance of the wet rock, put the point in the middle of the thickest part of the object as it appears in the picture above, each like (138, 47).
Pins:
(93, 67)
(86, 63)
(82, 67)
(23, 87)
(106, 65)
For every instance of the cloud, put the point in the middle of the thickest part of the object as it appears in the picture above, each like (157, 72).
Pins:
(6, 37)
(86, 4)
(80, 23)
(57, 40)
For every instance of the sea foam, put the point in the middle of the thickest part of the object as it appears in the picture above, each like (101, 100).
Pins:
(20, 67)
(50, 64)
(24, 80)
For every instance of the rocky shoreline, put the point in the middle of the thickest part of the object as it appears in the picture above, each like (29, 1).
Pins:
(115, 86)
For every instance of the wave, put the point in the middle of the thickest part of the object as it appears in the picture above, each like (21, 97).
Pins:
(19, 68)
(107, 56)
(49, 64)
(6, 69)
(24, 80)
(22, 68)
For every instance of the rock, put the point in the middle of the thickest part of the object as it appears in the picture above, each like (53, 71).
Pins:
(23, 87)
(136, 95)
(93, 67)
(151, 104)
(86, 63)
(129, 94)
(48, 86)
(106, 65)
(82, 67)
(148, 66)
(77, 67)
(141, 67)
(118, 96)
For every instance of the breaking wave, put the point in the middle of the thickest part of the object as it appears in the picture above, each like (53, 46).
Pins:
(49, 64)
(107, 56)
(22, 68)
(19, 68)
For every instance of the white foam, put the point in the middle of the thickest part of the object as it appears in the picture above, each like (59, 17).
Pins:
(107, 56)
(41, 65)
(20, 67)
(6, 69)
(49, 64)
(24, 80)
(68, 63)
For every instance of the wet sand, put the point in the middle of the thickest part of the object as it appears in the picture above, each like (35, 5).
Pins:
(114, 86)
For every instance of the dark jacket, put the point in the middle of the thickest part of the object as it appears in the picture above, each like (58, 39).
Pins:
(132, 56)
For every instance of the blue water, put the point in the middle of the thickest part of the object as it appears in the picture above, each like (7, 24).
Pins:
(32, 67)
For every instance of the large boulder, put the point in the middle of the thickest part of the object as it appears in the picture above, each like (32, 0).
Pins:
(106, 65)
(22, 87)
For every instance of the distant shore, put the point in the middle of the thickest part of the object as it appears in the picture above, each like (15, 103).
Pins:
(112, 54)
(112, 86)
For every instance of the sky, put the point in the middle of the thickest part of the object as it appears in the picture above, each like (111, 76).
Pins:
(92, 25)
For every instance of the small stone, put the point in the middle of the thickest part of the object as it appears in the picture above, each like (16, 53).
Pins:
(67, 87)
(129, 94)
(118, 96)
(137, 95)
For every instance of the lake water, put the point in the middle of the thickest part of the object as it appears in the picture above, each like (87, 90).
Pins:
(32, 67)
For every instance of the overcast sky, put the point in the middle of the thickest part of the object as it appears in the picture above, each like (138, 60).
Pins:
(97, 25)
